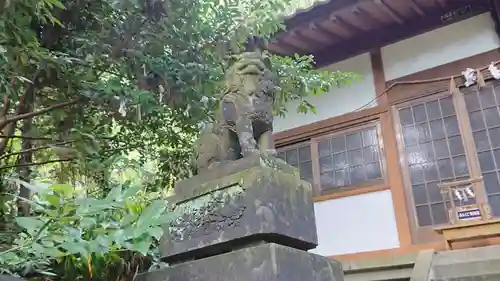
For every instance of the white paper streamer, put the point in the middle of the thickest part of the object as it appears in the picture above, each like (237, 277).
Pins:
(470, 77)
(495, 72)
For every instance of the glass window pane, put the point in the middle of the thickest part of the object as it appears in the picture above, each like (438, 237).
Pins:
(491, 183)
(424, 133)
(487, 97)
(494, 201)
(355, 157)
(341, 178)
(370, 137)
(410, 135)
(433, 110)
(451, 125)
(460, 166)
(472, 101)
(419, 114)
(447, 107)
(324, 148)
(338, 144)
(353, 141)
(437, 129)
(373, 171)
(352, 158)
(327, 179)
(431, 172)
(370, 154)
(304, 154)
(439, 213)
(419, 194)
(292, 157)
(486, 161)
(445, 169)
(481, 140)
(441, 148)
(306, 170)
(495, 137)
(417, 174)
(434, 192)
(456, 145)
(476, 121)
(325, 164)
(491, 116)
(357, 174)
(406, 116)
(424, 215)
(340, 161)
(298, 157)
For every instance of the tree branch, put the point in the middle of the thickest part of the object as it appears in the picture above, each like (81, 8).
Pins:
(36, 163)
(34, 149)
(5, 107)
(25, 137)
(18, 117)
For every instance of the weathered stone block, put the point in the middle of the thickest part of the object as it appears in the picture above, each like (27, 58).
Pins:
(268, 262)
(252, 199)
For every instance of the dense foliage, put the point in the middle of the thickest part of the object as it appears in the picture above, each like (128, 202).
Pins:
(86, 82)
(75, 235)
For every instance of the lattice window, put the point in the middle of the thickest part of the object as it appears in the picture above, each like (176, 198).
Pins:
(434, 153)
(299, 157)
(350, 159)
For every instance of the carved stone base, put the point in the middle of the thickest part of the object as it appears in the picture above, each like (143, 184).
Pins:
(250, 200)
(268, 262)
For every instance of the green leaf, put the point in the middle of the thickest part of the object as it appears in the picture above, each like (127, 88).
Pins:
(151, 214)
(87, 222)
(156, 232)
(115, 194)
(131, 191)
(53, 252)
(128, 219)
(31, 224)
(54, 200)
(141, 246)
(75, 248)
(56, 3)
(64, 189)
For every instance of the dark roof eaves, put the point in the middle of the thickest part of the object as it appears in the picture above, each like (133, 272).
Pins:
(317, 10)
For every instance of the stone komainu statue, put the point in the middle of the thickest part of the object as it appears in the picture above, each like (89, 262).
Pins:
(244, 119)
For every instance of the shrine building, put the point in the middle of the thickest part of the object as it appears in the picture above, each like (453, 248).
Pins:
(383, 153)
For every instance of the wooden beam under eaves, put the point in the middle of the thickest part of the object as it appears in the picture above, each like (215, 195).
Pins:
(379, 37)
(415, 7)
(388, 10)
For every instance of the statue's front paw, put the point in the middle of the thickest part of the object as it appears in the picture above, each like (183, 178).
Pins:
(270, 152)
(251, 152)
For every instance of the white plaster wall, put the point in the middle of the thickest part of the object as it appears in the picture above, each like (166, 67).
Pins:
(444, 45)
(338, 101)
(356, 224)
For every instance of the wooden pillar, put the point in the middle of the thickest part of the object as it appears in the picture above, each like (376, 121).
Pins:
(378, 76)
(394, 172)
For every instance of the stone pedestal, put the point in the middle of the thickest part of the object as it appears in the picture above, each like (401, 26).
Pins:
(252, 219)
(266, 262)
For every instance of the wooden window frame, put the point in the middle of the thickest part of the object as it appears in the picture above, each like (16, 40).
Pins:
(363, 187)
(424, 234)
(365, 184)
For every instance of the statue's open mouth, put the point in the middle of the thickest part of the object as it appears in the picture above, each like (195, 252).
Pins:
(251, 67)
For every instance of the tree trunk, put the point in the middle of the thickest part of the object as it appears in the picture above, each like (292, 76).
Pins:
(24, 171)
